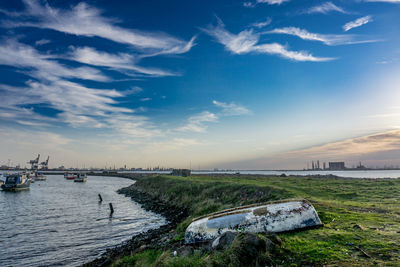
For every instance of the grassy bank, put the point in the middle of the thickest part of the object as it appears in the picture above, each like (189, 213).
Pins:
(361, 217)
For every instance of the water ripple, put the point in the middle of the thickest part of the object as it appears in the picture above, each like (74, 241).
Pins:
(62, 223)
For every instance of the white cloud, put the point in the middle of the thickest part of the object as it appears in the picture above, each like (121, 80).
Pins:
(88, 21)
(328, 39)
(262, 24)
(272, 2)
(247, 42)
(122, 62)
(384, 1)
(249, 4)
(325, 8)
(196, 122)
(145, 99)
(231, 109)
(42, 42)
(357, 23)
(13, 53)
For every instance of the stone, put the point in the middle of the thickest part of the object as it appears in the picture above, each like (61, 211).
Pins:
(224, 241)
(185, 251)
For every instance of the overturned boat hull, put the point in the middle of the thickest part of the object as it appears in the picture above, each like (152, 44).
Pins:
(272, 217)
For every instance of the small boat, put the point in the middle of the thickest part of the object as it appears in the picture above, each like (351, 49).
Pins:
(81, 178)
(70, 175)
(39, 176)
(272, 217)
(16, 182)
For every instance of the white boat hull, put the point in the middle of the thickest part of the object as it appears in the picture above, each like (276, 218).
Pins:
(272, 217)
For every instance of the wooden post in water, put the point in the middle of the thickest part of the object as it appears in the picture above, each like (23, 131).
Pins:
(100, 198)
(111, 209)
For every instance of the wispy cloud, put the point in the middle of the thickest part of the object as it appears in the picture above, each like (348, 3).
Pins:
(15, 54)
(197, 122)
(231, 109)
(261, 24)
(88, 21)
(272, 2)
(357, 23)
(77, 105)
(384, 1)
(247, 41)
(325, 8)
(122, 62)
(249, 4)
(42, 42)
(351, 147)
(328, 39)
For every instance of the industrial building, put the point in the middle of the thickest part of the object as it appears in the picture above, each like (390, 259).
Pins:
(336, 165)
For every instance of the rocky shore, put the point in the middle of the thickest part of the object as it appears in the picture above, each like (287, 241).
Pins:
(153, 238)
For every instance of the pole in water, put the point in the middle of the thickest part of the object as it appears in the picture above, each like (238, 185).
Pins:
(111, 209)
(100, 198)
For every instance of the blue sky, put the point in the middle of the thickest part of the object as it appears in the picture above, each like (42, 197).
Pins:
(235, 84)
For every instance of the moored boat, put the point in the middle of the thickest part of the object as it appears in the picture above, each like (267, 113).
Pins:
(39, 176)
(16, 182)
(81, 178)
(272, 217)
(70, 175)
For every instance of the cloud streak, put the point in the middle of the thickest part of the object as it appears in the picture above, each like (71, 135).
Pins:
(328, 39)
(325, 8)
(196, 123)
(84, 20)
(357, 23)
(121, 62)
(231, 109)
(247, 41)
(272, 2)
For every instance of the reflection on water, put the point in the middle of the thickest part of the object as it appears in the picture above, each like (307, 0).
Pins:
(59, 222)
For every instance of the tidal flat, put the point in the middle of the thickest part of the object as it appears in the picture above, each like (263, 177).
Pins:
(361, 220)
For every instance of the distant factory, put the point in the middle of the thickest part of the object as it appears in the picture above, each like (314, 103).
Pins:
(334, 166)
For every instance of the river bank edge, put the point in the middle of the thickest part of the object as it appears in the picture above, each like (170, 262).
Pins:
(336, 218)
(146, 240)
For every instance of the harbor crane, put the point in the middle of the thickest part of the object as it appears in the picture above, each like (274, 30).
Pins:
(45, 164)
(34, 163)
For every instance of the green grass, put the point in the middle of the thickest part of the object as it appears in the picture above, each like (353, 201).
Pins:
(341, 204)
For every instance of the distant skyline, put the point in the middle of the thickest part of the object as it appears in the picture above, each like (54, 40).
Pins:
(263, 84)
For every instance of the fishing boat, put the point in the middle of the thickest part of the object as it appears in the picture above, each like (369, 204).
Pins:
(16, 182)
(70, 175)
(81, 178)
(272, 217)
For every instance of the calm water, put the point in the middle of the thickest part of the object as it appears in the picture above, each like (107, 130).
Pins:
(349, 174)
(59, 222)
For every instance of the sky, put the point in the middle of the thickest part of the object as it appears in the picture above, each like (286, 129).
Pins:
(257, 84)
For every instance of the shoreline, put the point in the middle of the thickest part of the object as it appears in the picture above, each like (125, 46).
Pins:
(145, 240)
(163, 236)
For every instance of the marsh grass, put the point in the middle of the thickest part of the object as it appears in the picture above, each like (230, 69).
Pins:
(358, 215)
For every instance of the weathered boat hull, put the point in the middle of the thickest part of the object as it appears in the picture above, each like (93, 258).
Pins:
(273, 217)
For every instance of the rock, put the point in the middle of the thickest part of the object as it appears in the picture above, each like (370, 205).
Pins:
(185, 251)
(224, 241)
